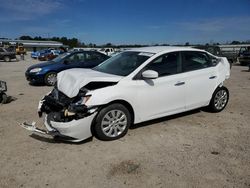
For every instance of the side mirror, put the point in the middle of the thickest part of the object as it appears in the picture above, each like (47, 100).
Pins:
(150, 74)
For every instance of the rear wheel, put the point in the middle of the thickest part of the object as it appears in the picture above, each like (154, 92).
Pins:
(50, 78)
(219, 99)
(7, 58)
(112, 122)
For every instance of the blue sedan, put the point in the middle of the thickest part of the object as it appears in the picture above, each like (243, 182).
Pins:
(45, 73)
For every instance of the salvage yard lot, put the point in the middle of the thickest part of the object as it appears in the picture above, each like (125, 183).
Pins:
(194, 149)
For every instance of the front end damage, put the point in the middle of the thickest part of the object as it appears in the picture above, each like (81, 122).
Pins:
(65, 117)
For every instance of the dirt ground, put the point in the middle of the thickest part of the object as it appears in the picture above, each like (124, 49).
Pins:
(194, 149)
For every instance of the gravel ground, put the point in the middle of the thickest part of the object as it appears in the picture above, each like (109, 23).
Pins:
(194, 149)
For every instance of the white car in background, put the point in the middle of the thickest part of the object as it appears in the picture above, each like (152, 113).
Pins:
(107, 51)
(134, 86)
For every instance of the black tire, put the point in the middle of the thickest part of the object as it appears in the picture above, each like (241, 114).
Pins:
(48, 79)
(219, 99)
(6, 59)
(243, 63)
(112, 124)
(231, 63)
(4, 98)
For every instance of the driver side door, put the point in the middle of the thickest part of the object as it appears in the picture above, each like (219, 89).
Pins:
(164, 95)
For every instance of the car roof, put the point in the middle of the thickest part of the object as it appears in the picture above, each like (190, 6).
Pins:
(159, 49)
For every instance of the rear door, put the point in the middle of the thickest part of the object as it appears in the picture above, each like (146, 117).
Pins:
(200, 78)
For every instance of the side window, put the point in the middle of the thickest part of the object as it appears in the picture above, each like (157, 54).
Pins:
(77, 57)
(93, 56)
(194, 61)
(242, 49)
(167, 64)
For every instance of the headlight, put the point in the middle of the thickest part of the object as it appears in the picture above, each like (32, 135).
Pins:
(83, 100)
(35, 70)
(86, 98)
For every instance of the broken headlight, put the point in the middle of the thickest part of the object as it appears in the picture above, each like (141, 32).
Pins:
(79, 106)
(85, 99)
(3, 86)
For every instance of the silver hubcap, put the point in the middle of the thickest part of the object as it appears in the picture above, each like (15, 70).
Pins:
(114, 123)
(220, 99)
(51, 79)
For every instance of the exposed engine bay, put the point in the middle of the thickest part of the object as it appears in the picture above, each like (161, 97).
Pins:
(61, 108)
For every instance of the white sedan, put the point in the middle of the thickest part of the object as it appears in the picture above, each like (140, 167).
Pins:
(134, 86)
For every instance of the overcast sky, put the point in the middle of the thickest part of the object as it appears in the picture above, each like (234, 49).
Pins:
(128, 21)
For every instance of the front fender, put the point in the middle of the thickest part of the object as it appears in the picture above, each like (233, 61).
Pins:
(106, 95)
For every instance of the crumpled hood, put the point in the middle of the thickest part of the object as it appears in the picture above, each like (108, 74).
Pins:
(71, 81)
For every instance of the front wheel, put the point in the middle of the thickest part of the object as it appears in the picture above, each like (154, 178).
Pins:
(112, 122)
(50, 78)
(219, 99)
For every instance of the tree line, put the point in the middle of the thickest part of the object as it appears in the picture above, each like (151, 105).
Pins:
(71, 42)
(74, 42)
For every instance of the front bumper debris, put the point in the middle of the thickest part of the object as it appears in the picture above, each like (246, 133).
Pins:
(32, 127)
(78, 130)
(74, 131)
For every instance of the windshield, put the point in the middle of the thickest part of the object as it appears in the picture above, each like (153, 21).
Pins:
(59, 58)
(124, 63)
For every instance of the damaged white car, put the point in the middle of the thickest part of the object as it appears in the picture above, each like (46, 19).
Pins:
(132, 87)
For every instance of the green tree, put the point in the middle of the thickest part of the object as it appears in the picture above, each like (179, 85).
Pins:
(235, 42)
(25, 37)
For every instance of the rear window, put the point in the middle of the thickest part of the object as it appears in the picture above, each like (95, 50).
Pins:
(194, 61)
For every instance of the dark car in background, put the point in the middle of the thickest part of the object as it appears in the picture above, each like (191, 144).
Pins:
(244, 56)
(46, 72)
(6, 54)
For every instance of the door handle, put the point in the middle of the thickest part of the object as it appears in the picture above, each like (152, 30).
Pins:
(179, 83)
(212, 77)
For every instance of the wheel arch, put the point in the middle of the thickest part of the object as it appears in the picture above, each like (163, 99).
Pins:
(123, 102)
(127, 105)
(211, 109)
